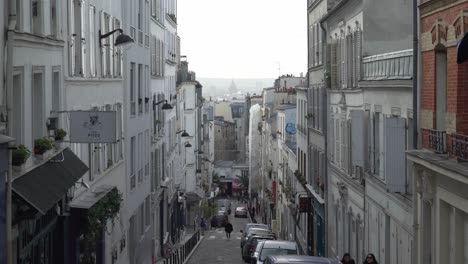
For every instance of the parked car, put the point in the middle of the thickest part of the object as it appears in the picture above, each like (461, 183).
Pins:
(254, 231)
(276, 248)
(252, 225)
(240, 212)
(219, 220)
(225, 203)
(253, 259)
(251, 243)
(299, 260)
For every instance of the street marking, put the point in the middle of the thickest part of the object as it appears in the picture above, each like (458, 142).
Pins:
(212, 237)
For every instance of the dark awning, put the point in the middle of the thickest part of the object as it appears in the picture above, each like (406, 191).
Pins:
(45, 185)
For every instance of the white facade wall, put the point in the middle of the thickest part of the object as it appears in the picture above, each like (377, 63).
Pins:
(254, 148)
(136, 17)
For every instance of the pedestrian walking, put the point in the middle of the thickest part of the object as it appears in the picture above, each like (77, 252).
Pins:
(370, 259)
(347, 259)
(228, 228)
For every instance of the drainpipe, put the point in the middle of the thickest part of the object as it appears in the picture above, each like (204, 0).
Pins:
(325, 136)
(9, 96)
(415, 128)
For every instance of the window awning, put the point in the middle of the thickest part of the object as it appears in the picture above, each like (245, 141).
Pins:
(90, 197)
(45, 185)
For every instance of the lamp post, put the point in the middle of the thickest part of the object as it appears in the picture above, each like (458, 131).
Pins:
(184, 133)
(120, 41)
(166, 105)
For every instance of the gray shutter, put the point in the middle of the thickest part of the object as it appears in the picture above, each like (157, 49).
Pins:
(71, 44)
(103, 46)
(367, 135)
(338, 64)
(395, 161)
(332, 137)
(344, 80)
(358, 51)
(333, 66)
(357, 133)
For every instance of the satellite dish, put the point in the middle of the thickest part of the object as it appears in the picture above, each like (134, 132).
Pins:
(462, 49)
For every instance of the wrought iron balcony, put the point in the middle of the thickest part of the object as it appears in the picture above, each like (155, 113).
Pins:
(459, 146)
(437, 141)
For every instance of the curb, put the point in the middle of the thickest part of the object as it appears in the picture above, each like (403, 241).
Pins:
(193, 250)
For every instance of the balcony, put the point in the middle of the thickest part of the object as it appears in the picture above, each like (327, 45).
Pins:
(389, 66)
(454, 145)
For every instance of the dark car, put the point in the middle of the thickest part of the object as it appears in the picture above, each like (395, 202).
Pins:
(251, 244)
(295, 259)
(247, 228)
(219, 220)
(254, 231)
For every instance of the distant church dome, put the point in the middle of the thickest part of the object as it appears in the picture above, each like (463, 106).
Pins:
(233, 88)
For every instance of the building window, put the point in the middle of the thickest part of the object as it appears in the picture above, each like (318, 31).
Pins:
(92, 41)
(376, 143)
(77, 46)
(140, 157)
(18, 102)
(53, 18)
(36, 17)
(132, 162)
(132, 90)
(117, 53)
(38, 106)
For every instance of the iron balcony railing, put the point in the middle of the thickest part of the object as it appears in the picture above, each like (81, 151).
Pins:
(459, 146)
(437, 140)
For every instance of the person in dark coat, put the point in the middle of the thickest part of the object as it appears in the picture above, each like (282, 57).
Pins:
(228, 228)
(370, 259)
(347, 259)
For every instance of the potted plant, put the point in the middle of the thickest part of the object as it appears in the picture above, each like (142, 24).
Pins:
(60, 134)
(42, 146)
(19, 157)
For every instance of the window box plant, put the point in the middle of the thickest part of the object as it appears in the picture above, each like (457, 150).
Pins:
(19, 158)
(42, 148)
(60, 134)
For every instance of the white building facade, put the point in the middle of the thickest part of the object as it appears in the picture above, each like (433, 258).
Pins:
(369, 190)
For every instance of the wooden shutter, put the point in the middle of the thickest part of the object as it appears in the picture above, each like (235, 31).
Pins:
(395, 158)
(343, 62)
(72, 43)
(333, 66)
(357, 133)
(358, 47)
(103, 46)
(338, 64)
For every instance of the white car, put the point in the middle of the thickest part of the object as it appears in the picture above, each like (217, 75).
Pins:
(241, 212)
(275, 248)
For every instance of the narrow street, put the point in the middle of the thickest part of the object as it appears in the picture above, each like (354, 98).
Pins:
(215, 248)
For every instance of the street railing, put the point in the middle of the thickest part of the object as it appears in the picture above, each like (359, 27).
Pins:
(179, 255)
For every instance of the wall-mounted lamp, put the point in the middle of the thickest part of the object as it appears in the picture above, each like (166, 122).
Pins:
(188, 145)
(184, 133)
(199, 151)
(120, 41)
(165, 106)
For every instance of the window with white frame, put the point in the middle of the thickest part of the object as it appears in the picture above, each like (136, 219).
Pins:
(54, 25)
(118, 149)
(157, 57)
(92, 41)
(77, 42)
(345, 58)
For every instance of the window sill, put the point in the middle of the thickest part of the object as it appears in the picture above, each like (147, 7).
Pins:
(157, 22)
(93, 79)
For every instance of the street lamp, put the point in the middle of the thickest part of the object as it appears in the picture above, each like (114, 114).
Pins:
(199, 151)
(120, 41)
(184, 133)
(166, 106)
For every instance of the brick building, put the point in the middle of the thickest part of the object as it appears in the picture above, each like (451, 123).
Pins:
(440, 169)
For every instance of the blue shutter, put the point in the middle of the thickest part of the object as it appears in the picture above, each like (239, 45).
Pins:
(357, 133)
(394, 155)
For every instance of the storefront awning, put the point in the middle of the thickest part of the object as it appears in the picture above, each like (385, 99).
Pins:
(90, 197)
(45, 185)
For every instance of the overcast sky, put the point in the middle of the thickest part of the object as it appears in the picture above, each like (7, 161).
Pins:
(243, 38)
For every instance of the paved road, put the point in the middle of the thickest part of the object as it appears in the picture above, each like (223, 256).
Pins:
(215, 248)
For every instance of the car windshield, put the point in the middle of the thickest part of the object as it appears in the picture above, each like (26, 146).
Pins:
(276, 251)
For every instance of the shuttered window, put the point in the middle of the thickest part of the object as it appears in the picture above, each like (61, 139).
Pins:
(358, 51)
(332, 141)
(357, 132)
(71, 44)
(395, 161)
(337, 141)
(333, 66)
(343, 61)
(92, 41)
